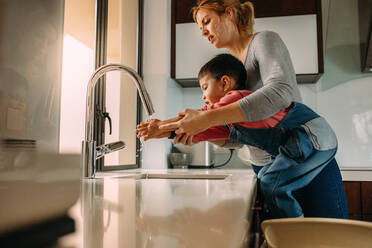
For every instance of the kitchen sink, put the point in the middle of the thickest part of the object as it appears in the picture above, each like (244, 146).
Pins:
(159, 175)
(183, 176)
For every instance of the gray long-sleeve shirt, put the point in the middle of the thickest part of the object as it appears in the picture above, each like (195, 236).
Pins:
(270, 75)
(272, 78)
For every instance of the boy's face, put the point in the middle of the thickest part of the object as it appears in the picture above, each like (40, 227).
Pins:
(212, 90)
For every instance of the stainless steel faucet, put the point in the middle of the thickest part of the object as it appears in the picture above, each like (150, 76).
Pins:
(92, 152)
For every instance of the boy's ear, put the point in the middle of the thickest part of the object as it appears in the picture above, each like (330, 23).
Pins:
(226, 83)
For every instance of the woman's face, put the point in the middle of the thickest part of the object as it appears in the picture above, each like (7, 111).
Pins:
(218, 30)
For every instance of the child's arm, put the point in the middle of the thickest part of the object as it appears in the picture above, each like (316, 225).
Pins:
(213, 134)
(150, 130)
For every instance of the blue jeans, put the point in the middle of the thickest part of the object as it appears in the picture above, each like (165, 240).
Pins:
(324, 196)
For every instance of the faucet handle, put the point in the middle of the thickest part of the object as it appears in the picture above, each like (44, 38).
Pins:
(104, 149)
(107, 115)
(103, 114)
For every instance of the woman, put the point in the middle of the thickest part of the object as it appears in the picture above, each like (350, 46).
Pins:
(229, 24)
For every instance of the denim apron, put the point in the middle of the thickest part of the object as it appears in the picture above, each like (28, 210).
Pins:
(301, 145)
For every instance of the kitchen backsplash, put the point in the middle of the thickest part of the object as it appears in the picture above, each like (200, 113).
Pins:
(343, 94)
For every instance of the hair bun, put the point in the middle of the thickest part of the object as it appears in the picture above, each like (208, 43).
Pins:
(247, 16)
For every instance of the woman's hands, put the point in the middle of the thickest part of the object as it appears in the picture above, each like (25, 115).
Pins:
(150, 130)
(190, 123)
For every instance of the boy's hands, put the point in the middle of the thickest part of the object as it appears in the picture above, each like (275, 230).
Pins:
(150, 130)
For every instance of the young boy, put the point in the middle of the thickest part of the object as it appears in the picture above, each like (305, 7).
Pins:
(300, 142)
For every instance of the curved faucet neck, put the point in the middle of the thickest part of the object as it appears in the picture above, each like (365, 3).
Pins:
(90, 100)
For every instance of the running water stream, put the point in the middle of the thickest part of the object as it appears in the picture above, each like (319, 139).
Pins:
(142, 143)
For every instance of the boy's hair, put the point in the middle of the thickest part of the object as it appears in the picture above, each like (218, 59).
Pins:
(225, 64)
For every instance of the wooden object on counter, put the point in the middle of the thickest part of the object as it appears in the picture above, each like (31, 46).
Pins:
(317, 232)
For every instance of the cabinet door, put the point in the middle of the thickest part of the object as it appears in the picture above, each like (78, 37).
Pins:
(352, 190)
(300, 29)
(192, 50)
(367, 200)
(299, 33)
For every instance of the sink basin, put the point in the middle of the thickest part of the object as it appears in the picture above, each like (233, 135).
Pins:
(182, 176)
(160, 175)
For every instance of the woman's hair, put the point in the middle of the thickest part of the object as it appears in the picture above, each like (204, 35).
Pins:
(225, 64)
(243, 12)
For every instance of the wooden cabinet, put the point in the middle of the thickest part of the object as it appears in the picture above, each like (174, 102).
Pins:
(352, 191)
(359, 199)
(298, 22)
(366, 191)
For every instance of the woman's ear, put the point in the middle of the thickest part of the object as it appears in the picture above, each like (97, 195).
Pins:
(226, 83)
(229, 12)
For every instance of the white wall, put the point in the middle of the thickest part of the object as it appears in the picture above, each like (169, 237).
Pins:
(77, 67)
(164, 92)
(348, 108)
(73, 93)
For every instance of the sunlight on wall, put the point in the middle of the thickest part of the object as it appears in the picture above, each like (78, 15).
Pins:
(77, 66)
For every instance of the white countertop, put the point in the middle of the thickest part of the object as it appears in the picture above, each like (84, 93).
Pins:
(129, 209)
(356, 175)
(118, 209)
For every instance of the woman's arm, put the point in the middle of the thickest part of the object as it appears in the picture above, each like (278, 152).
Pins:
(269, 57)
(209, 118)
(194, 121)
